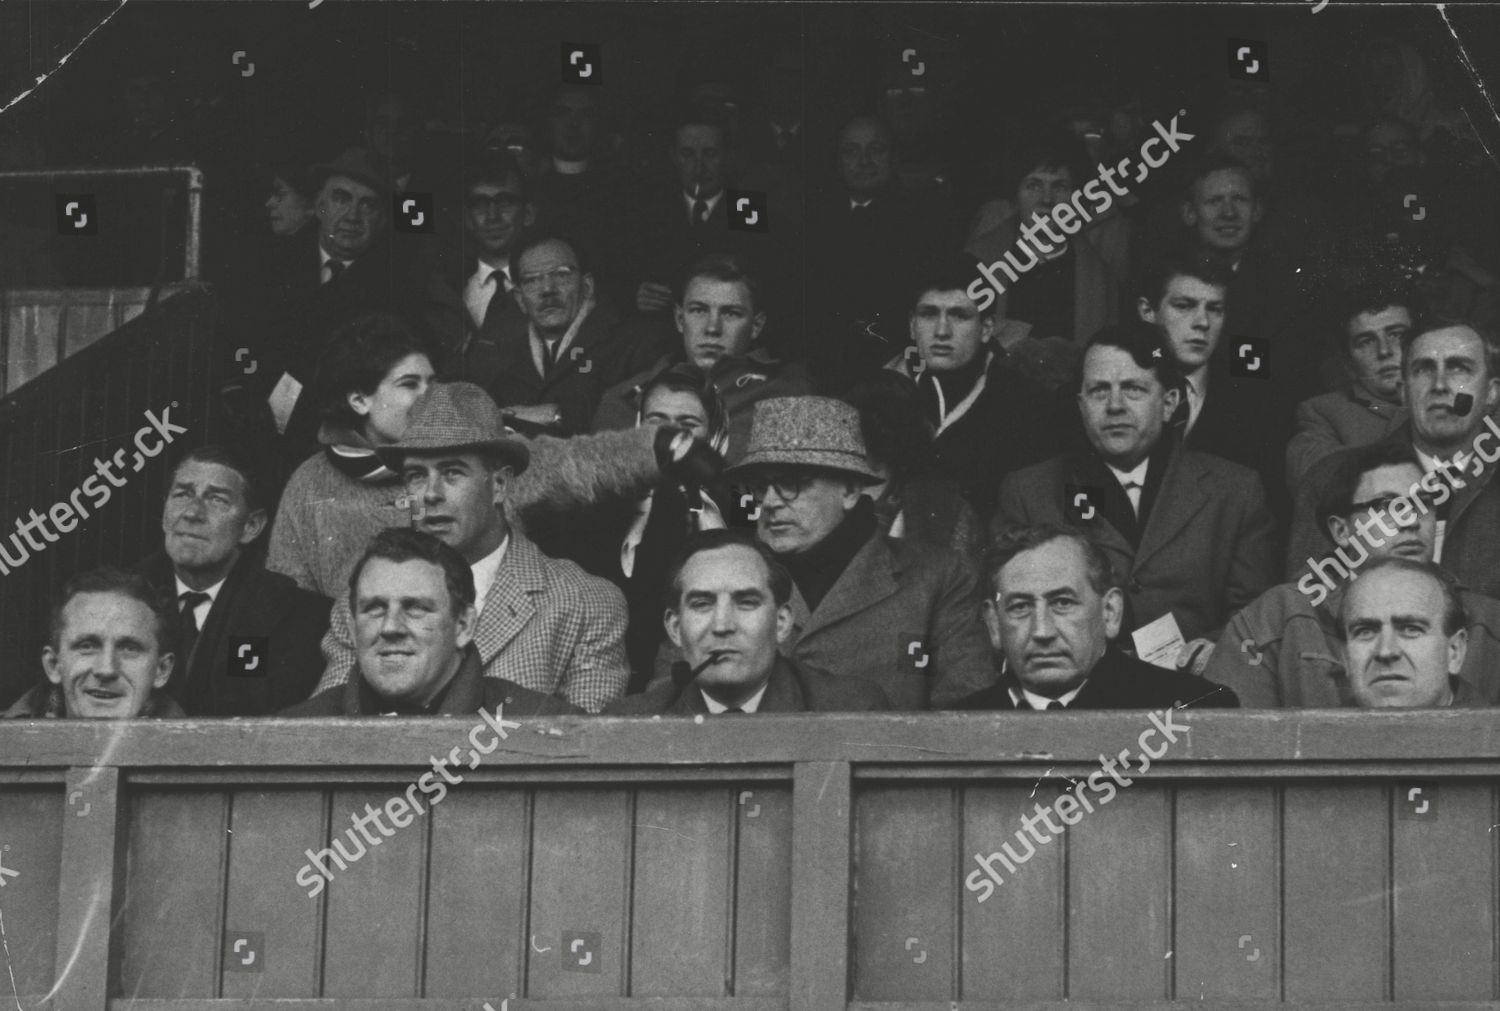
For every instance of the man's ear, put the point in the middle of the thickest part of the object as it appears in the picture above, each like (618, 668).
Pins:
(359, 403)
(783, 622)
(588, 286)
(1114, 611)
(49, 665)
(853, 491)
(1189, 213)
(990, 611)
(986, 330)
(164, 665)
(679, 318)
(673, 624)
(515, 293)
(757, 324)
(1491, 393)
(501, 480)
(529, 218)
(468, 618)
(1145, 310)
(254, 524)
(1458, 648)
(1338, 529)
(1169, 403)
(1257, 210)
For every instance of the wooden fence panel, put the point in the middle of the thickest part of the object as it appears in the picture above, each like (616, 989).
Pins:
(763, 891)
(31, 823)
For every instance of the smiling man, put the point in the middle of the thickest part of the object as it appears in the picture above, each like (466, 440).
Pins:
(413, 608)
(1051, 609)
(543, 623)
(1285, 649)
(1188, 533)
(728, 609)
(247, 638)
(110, 653)
(1404, 637)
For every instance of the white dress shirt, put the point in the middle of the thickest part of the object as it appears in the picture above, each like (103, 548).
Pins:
(1023, 698)
(570, 168)
(1196, 385)
(200, 613)
(485, 570)
(1429, 465)
(1133, 481)
(325, 272)
(483, 285)
(750, 705)
(689, 200)
(538, 345)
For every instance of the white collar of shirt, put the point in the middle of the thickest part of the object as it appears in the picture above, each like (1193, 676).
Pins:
(479, 293)
(570, 168)
(1430, 463)
(1019, 695)
(962, 407)
(563, 343)
(855, 202)
(688, 199)
(485, 570)
(1196, 385)
(484, 270)
(790, 130)
(1138, 475)
(200, 613)
(323, 259)
(750, 705)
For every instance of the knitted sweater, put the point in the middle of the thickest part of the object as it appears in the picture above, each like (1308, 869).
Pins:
(327, 517)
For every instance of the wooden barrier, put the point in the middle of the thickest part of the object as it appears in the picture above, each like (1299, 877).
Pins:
(1322, 859)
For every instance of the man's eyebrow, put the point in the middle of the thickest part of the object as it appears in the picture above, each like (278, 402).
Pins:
(1412, 619)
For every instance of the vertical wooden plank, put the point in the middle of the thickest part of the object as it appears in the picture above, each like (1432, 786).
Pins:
(763, 892)
(375, 903)
(904, 889)
(581, 860)
(31, 836)
(821, 829)
(174, 894)
(680, 912)
(1336, 901)
(271, 832)
(1119, 873)
(1442, 864)
(476, 906)
(1014, 942)
(92, 890)
(1227, 893)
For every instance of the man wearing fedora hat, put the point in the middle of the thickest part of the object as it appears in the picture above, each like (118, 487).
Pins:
(903, 615)
(542, 623)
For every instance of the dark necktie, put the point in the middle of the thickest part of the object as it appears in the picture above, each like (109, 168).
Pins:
(734, 711)
(549, 355)
(187, 627)
(700, 213)
(335, 268)
(1054, 704)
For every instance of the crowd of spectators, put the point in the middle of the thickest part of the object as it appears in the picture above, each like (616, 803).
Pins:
(596, 443)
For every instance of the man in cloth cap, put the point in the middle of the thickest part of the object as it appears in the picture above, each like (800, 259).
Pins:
(542, 623)
(902, 615)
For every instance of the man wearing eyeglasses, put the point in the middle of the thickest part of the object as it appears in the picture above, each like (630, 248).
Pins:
(496, 210)
(899, 613)
(1051, 609)
(1285, 649)
(550, 364)
(1189, 533)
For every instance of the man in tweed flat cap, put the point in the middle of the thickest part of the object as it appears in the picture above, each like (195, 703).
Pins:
(901, 614)
(543, 623)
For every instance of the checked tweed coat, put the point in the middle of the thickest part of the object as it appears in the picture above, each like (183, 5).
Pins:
(545, 625)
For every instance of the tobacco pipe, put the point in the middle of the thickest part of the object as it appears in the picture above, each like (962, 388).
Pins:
(683, 676)
(1463, 403)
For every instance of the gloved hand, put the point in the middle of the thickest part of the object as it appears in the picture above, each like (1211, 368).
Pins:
(684, 460)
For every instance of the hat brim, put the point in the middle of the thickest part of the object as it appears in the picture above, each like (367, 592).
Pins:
(843, 464)
(322, 173)
(513, 452)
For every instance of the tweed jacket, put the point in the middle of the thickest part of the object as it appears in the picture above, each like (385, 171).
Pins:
(1333, 421)
(251, 603)
(1207, 550)
(903, 615)
(326, 517)
(1284, 652)
(1471, 539)
(545, 624)
(1121, 682)
(469, 692)
(793, 687)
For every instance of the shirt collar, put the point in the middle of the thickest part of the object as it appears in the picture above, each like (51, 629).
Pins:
(570, 168)
(688, 199)
(1138, 474)
(566, 340)
(324, 257)
(750, 705)
(212, 591)
(485, 270)
(856, 202)
(485, 570)
(1020, 696)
